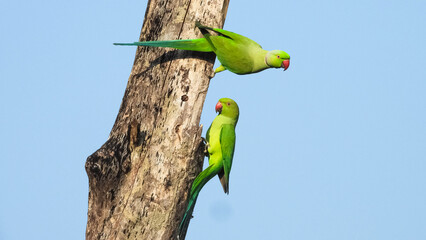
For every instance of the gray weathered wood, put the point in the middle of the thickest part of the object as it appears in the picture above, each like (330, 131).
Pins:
(140, 178)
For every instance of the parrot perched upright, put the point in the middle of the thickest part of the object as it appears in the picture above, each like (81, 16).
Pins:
(236, 53)
(220, 147)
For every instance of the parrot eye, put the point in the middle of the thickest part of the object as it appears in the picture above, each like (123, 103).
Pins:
(278, 56)
(228, 103)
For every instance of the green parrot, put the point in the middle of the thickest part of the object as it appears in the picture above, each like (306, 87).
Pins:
(220, 147)
(236, 53)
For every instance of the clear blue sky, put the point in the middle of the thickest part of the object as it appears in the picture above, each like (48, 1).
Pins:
(334, 148)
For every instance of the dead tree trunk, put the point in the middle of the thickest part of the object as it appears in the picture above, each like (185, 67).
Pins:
(140, 178)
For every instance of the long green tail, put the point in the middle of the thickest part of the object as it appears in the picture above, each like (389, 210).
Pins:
(200, 44)
(197, 185)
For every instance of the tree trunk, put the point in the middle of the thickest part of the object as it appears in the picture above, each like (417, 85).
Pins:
(140, 178)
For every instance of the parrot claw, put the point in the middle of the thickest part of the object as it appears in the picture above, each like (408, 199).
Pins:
(206, 147)
(221, 68)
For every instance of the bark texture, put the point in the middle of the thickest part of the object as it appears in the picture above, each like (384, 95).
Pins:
(140, 178)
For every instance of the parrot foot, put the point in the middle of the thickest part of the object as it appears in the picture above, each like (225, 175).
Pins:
(206, 147)
(219, 69)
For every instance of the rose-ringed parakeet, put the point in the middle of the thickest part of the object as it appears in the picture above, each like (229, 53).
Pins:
(220, 147)
(236, 53)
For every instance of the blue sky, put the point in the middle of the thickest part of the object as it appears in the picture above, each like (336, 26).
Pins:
(333, 148)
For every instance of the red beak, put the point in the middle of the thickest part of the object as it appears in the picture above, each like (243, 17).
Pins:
(218, 107)
(285, 64)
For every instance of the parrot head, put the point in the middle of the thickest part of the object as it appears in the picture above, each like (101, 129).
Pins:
(228, 108)
(277, 59)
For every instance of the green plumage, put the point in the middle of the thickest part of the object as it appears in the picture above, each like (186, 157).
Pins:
(221, 143)
(200, 45)
(235, 52)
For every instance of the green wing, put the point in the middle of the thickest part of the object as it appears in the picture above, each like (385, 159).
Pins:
(226, 34)
(227, 144)
(234, 51)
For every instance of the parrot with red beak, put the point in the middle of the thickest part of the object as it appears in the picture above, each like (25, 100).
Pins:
(236, 53)
(220, 139)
